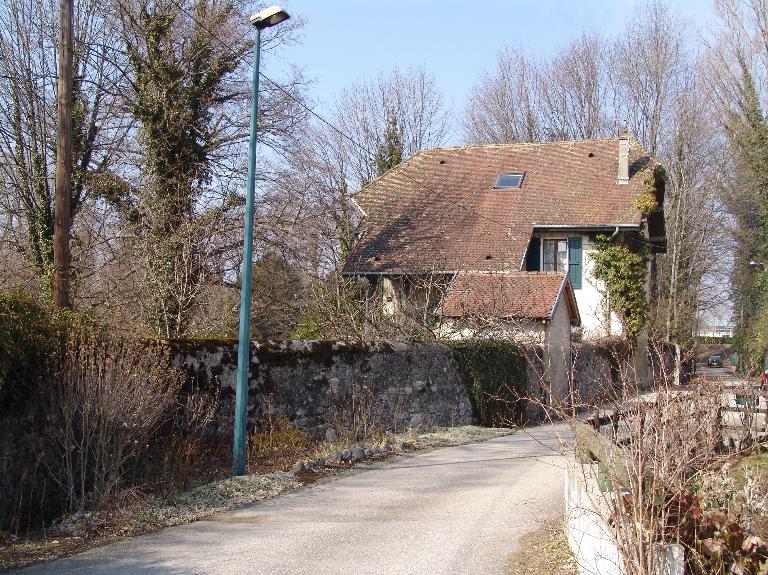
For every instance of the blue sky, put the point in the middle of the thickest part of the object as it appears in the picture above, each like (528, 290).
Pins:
(346, 41)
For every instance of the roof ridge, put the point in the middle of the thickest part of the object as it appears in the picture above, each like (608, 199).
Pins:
(511, 272)
(633, 143)
(536, 143)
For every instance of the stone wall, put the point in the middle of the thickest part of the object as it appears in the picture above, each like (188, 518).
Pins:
(324, 385)
(324, 388)
(597, 371)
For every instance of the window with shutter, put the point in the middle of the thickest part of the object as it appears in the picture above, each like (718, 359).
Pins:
(555, 255)
(574, 261)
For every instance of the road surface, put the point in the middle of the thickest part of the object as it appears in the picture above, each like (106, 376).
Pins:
(450, 511)
(724, 373)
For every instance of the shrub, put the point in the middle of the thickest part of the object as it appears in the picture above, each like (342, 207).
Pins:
(714, 543)
(495, 373)
(108, 397)
(278, 443)
(28, 338)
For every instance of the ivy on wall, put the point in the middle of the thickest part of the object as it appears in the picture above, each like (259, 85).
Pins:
(645, 201)
(623, 266)
(495, 373)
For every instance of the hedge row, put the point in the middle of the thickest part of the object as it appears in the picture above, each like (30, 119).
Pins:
(30, 338)
(496, 376)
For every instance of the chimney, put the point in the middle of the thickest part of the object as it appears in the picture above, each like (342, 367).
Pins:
(623, 157)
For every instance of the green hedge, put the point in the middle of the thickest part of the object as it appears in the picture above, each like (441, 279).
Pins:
(496, 375)
(710, 340)
(29, 335)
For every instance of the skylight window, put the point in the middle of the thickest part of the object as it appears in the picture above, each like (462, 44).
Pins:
(509, 180)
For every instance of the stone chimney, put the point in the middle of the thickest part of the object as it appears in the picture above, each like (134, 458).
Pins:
(623, 157)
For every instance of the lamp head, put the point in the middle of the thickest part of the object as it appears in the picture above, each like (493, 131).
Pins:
(269, 17)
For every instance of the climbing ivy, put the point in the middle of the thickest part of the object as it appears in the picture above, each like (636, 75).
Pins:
(646, 200)
(623, 266)
(495, 374)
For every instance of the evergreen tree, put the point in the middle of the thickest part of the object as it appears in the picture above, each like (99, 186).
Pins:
(748, 136)
(389, 152)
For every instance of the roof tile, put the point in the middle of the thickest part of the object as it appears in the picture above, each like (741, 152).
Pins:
(439, 210)
(515, 295)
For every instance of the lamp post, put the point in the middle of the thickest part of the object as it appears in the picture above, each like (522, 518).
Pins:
(261, 20)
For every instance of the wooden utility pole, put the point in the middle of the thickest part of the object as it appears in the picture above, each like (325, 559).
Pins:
(63, 162)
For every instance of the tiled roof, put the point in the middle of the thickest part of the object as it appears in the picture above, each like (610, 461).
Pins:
(516, 295)
(439, 211)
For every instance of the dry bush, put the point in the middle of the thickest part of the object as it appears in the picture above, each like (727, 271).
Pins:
(108, 397)
(185, 448)
(651, 450)
(279, 444)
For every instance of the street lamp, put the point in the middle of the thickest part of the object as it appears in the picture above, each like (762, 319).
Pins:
(261, 20)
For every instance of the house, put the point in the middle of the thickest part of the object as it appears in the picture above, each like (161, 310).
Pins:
(531, 307)
(716, 328)
(451, 214)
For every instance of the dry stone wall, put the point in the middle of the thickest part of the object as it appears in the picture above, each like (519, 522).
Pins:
(328, 387)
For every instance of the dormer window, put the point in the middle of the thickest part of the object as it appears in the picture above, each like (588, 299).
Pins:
(509, 180)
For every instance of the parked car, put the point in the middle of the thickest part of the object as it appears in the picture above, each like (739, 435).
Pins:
(714, 361)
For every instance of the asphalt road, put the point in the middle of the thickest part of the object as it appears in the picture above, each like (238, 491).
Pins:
(455, 510)
(724, 373)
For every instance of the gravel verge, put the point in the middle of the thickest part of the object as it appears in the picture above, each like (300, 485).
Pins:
(543, 552)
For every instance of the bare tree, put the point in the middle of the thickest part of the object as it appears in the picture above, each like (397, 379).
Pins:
(694, 223)
(504, 106)
(574, 91)
(28, 62)
(402, 105)
(737, 67)
(646, 64)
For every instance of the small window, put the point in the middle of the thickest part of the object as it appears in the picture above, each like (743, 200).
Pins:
(555, 256)
(510, 180)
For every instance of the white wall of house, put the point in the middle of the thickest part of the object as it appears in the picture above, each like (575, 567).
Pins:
(559, 353)
(524, 331)
(391, 293)
(590, 298)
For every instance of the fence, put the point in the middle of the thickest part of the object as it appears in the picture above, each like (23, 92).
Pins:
(744, 416)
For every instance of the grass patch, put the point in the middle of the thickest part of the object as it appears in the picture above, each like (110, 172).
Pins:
(450, 436)
(543, 552)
